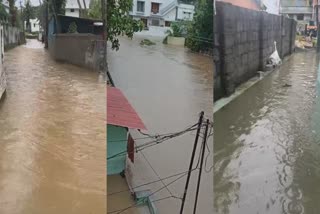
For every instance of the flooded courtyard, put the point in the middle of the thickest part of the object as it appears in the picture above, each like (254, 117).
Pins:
(52, 136)
(168, 86)
(267, 145)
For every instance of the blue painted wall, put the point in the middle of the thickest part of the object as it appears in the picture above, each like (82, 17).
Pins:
(116, 143)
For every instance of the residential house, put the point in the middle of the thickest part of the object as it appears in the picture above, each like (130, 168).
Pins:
(270, 6)
(161, 12)
(34, 25)
(121, 117)
(249, 4)
(300, 10)
(72, 7)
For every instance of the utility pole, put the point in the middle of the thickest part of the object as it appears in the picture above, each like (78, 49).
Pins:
(21, 16)
(191, 162)
(318, 30)
(104, 34)
(204, 142)
(47, 24)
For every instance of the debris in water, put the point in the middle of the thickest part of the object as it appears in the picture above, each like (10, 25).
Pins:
(147, 42)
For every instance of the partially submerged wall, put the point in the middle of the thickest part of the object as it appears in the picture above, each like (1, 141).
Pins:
(79, 49)
(12, 37)
(244, 40)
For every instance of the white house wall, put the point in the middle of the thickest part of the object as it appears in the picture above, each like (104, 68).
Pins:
(171, 16)
(272, 6)
(184, 10)
(75, 13)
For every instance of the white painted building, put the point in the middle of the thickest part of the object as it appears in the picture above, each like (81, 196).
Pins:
(161, 12)
(34, 24)
(273, 6)
(72, 7)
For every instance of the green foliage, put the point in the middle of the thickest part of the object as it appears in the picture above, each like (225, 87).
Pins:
(119, 21)
(28, 13)
(3, 13)
(200, 32)
(95, 9)
(73, 28)
(58, 6)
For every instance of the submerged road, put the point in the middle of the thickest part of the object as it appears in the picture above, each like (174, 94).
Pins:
(267, 145)
(168, 86)
(52, 136)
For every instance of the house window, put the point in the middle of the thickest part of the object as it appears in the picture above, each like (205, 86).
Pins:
(71, 10)
(300, 17)
(140, 6)
(34, 25)
(155, 7)
(167, 23)
(155, 22)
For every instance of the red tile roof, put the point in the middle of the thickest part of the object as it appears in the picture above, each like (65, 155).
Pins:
(120, 112)
(250, 4)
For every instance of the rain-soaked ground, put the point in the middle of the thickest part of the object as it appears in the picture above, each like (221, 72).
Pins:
(267, 153)
(52, 136)
(168, 86)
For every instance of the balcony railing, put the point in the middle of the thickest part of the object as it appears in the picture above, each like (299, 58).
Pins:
(296, 10)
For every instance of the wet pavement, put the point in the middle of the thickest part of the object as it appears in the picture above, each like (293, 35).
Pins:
(52, 136)
(267, 145)
(168, 86)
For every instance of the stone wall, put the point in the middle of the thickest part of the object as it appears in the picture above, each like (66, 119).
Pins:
(12, 37)
(244, 40)
(79, 49)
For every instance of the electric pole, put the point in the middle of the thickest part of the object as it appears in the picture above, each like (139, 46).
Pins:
(47, 23)
(200, 122)
(318, 30)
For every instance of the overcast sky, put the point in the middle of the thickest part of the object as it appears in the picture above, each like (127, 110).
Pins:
(33, 2)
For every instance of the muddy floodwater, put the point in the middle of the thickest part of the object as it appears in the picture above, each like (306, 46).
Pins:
(168, 86)
(52, 136)
(267, 145)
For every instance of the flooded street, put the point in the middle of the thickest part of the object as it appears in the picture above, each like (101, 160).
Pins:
(52, 136)
(267, 145)
(168, 86)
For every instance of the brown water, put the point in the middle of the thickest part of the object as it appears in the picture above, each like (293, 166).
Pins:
(52, 136)
(168, 86)
(267, 155)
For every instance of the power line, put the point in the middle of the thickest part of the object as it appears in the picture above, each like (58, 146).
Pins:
(137, 204)
(151, 182)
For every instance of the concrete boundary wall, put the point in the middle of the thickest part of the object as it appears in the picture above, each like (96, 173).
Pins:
(85, 50)
(244, 40)
(12, 37)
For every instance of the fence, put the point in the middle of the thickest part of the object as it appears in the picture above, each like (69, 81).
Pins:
(244, 41)
(12, 36)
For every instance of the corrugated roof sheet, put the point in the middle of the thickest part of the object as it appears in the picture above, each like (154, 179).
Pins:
(120, 112)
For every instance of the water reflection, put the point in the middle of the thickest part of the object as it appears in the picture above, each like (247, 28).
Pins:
(264, 143)
(52, 134)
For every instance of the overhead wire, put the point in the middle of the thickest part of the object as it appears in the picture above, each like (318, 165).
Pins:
(137, 204)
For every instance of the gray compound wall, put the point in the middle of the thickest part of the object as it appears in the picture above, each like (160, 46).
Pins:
(244, 40)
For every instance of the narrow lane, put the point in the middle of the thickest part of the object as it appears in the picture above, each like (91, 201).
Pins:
(52, 136)
(267, 153)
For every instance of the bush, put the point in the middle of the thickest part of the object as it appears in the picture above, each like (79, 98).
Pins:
(73, 28)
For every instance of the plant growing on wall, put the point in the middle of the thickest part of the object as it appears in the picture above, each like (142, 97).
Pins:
(73, 28)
